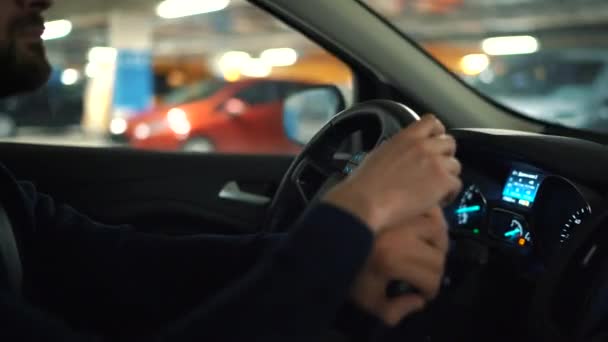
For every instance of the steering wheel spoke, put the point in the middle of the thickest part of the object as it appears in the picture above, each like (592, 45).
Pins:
(326, 167)
(311, 175)
(318, 167)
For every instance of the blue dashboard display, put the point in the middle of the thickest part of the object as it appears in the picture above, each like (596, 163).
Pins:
(521, 187)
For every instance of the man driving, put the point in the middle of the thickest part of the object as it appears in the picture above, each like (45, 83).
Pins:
(80, 280)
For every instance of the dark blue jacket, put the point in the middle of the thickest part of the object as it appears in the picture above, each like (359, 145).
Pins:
(85, 281)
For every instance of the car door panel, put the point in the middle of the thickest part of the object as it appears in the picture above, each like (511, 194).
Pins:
(157, 192)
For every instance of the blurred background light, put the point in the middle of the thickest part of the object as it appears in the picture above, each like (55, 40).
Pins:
(279, 57)
(256, 67)
(70, 76)
(232, 75)
(102, 54)
(142, 131)
(92, 70)
(474, 64)
(178, 121)
(170, 9)
(56, 29)
(118, 126)
(233, 59)
(510, 45)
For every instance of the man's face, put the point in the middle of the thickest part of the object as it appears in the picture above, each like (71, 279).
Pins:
(23, 63)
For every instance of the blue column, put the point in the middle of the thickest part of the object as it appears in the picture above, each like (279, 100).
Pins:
(133, 84)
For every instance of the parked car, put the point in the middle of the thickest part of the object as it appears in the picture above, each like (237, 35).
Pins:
(563, 87)
(215, 115)
(51, 107)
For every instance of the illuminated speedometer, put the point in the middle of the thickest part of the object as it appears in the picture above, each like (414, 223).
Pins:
(470, 212)
(575, 220)
(560, 210)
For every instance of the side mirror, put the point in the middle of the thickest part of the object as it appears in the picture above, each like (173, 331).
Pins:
(306, 112)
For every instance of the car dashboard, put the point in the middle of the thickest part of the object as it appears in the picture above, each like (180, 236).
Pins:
(520, 208)
(525, 194)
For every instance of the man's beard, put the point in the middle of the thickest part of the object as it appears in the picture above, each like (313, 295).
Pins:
(22, 71)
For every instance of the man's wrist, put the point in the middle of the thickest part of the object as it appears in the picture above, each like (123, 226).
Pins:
(346, 197)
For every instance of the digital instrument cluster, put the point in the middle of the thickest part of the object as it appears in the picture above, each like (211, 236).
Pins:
(525, 209)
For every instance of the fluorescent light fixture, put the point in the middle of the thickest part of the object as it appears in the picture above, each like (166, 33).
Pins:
(233, 59)
(118, 126)
(256, 67)
(56, 29)
(474, 64)
(171, 9)
(230, 64)
(510, 45)
(232, 75)
(102, 54)
(280, 57)
(70, 76)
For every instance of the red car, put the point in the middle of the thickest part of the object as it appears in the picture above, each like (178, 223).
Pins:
(214, 115)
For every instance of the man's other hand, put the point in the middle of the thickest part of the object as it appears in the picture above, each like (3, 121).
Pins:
(403, 178)
(413, 251)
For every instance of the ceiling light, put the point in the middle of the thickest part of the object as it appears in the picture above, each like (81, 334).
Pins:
(233, 59)
(256, 67)
(56, 29)
(474, 64)
(230, 64)
(170, 9)
(70, 76)
(232, 75)
(280, 57)
(511, 45)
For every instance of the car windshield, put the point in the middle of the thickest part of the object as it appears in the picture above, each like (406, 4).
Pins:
(545, 59)
(540, 75)
(193, 92)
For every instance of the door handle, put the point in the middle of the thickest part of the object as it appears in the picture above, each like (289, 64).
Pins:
(232, 191)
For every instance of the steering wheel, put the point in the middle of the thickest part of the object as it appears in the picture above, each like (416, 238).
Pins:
(571, 300)
(318, 167)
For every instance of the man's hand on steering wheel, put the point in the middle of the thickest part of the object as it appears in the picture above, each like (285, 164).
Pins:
(398, 191)
(413, 251)
(407, 176)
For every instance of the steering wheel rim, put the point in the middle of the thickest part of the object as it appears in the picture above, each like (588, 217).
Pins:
(376, 120)
(564, 306)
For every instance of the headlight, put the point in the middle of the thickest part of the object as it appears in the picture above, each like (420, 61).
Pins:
(118, 126)
(178, 121)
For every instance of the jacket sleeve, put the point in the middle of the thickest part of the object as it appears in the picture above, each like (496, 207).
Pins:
(116, 280)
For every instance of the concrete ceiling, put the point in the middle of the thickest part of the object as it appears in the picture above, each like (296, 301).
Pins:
(251, 28)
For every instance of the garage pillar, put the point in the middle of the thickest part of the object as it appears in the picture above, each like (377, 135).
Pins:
(122, 84)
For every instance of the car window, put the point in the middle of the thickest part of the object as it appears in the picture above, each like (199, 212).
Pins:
(537, 77)
(197, 91)
(545, 59)
(261, 93)
(172, 75)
